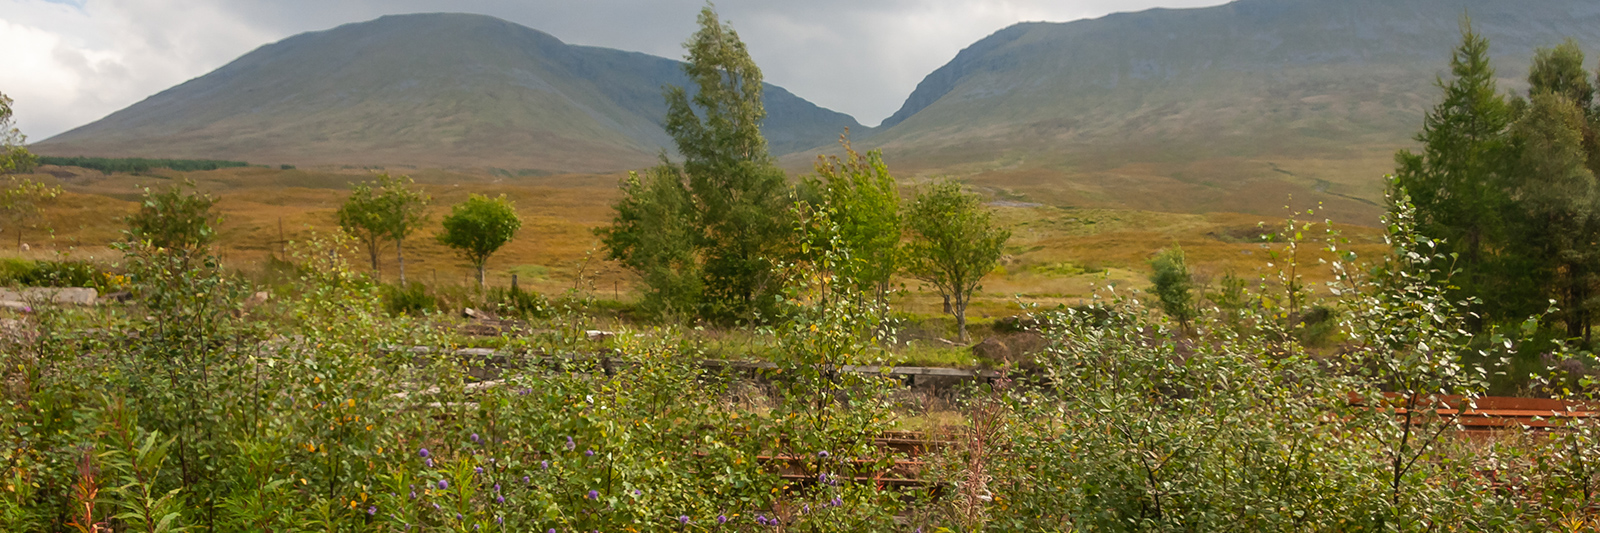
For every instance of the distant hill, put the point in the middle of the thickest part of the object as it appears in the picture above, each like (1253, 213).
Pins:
(1232, 107)
(428, 90)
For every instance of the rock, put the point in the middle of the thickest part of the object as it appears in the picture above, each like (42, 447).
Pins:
(598, 335)
(119, 297)
(259, 297)
(1016, 350)
(58, 295)
(992, 349)
(476, 314)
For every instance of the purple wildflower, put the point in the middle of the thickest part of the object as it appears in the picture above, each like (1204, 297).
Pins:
(435, 506)
(423, 452)
(683, 519)
(475, 439)
(594, 494)
(526, 479)
(823, 454)
(761, 519)
(429, 462)
(413, 495)
(372, 510)
(477, 469)
(544, 465)
(497, 487)
(476, 526)
(443, 484)
(588, 452)
(722, 519)
(500, 520)
(499, 499)
(837, 502)
(635, 492)
(571, 445)
(458, 516)
(806, 509)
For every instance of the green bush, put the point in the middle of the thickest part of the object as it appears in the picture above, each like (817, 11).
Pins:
(519, 303)
(412, 299)
(66, 273)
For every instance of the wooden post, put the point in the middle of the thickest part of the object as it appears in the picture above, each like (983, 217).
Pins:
(513, 283)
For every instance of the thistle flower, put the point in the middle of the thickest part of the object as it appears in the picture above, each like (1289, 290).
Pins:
(497, 487)
(722, 519)
(475, 439)
(683, 519)
(423, 452)
(526, 479)
(477, 469)
(594, 494)
(444, 484)
(542, 464)
(499, 499)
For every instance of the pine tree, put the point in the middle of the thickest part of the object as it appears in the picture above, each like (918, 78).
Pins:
(1457, 182)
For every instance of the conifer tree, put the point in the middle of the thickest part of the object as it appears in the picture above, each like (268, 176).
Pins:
(1457, 182)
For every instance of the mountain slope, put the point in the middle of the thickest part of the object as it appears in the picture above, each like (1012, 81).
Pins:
(1274, 89)
(433, 90)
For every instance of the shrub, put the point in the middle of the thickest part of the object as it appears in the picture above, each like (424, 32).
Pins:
(412, 299)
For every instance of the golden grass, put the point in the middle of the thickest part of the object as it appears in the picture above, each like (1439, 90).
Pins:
(1060, 253)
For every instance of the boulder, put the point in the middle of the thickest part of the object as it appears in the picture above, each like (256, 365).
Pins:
(57, 295)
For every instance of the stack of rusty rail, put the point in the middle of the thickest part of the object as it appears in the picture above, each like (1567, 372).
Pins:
(903, 470)
(1489, 415)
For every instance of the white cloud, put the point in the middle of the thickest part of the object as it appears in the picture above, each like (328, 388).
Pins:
(67, 64)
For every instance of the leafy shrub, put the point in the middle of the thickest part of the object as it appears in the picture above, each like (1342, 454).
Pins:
(520, 303)
(66, 273)
(412, 299)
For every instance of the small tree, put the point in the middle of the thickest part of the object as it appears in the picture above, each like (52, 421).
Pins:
(1173, 285)
(865, 200)
(13, 156)
(173, 220)
(20, 200)
(387, 209)
(954, 245)
(478, 227)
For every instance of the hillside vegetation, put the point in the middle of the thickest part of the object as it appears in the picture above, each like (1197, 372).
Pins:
(437, 90)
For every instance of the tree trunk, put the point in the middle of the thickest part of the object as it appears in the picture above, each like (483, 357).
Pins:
(480, 276)
(372, 251)
(961, 319)
(400, 255)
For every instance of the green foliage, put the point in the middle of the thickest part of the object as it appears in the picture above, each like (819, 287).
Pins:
(382, 211)
(1173, 285)
(865, 200)
(954, 245)
(21, 200)
(654, 234)
(723, 208)
(1558, 203)
(173, 219)
(1458, 181)
(478, 227)
(14, 157)
(409, 299)
(65, 273)
(138, 164)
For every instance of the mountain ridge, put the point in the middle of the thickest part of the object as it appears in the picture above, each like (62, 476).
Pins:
(426, 89)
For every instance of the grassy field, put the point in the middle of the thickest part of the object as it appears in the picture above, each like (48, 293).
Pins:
(1063, 247)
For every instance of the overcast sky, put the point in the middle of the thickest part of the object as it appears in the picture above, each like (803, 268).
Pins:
(69, 62)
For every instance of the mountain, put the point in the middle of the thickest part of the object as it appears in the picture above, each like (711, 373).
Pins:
(429, 90)
(1231, 107)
